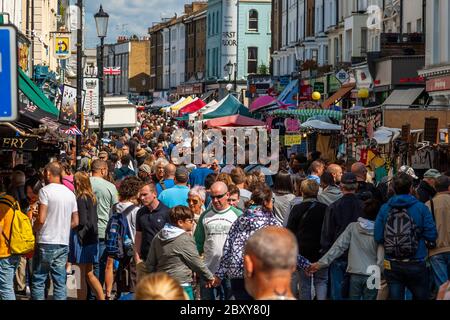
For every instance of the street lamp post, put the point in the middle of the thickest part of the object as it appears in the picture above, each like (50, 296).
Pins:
(79, 79)
(101, 23)
(235, 77)
(229, 69)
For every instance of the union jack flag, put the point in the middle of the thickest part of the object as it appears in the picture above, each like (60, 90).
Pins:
(73, 131)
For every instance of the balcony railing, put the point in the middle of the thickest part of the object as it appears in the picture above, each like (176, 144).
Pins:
(391, 38)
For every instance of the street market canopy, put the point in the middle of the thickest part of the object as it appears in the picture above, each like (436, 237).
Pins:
(42, 107)
(338, 95)
(166, 109)
(304, 114)
(234, 121)
(228, 106)
(209, 106)
(160, 102)
(262, 102)
(194, 106)
(403, 97)
(183, 103)
(385, 135)
(320, 125)
(289, 93)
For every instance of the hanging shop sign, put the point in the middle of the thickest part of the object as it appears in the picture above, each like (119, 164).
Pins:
(19, 143)
(62, 46)
(68, 105)
(342, 76)
(91, 102)
(292, 139)
(319, 87)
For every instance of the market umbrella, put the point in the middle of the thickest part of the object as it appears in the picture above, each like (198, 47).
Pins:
(261, 102)
(234, 121)
(192, 107)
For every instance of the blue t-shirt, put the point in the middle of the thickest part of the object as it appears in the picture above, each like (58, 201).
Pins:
(175, 196)
(197, 176)
(169, 183)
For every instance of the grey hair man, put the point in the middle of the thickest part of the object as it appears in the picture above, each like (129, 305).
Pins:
(270, 257)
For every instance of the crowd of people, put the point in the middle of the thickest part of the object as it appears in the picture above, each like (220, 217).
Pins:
(135, 224)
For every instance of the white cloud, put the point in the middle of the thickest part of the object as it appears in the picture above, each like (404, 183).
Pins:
(128, 17)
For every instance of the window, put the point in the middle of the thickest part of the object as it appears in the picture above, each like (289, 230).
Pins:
(408, 27)
(217, 22)
(419, 26)
(209, 24)
(253, 20)
(252, 60)
(363, 41)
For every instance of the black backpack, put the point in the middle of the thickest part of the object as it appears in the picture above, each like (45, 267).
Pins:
(401, 234)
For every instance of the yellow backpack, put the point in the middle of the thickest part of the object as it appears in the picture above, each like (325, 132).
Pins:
(21, 237)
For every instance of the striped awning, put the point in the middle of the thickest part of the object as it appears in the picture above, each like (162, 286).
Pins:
(304, 114)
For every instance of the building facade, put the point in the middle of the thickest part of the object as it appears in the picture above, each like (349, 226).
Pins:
(238, 32)
(132, 56)
(437, 58)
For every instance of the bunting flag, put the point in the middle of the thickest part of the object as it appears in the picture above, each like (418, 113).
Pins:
(73, 131)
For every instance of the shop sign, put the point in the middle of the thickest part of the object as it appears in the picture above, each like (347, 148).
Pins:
(293, 139)
(333, 84)
(91, 103)
(342, 76)
(19, 143)
(438, 84)
(62, 46)
(319, 87)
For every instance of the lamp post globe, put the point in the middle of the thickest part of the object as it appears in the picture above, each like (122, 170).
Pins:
(101, 22)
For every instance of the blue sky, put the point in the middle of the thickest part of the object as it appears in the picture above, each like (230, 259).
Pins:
(128, 17)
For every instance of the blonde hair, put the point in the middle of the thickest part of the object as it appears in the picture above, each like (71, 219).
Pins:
(309, 188)
(159, 286)
(225, 178)
(83, 187)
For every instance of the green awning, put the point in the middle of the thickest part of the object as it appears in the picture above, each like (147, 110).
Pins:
(304, 114)
(35, 95)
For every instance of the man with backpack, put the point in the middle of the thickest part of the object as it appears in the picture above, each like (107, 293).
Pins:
(12, 221)
(120, 237)
(404, 226)
(58, 213)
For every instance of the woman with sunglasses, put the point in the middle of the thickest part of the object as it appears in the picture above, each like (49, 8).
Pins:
(196, 202)
(258, 215)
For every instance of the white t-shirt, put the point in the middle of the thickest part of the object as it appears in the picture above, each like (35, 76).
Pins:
(61, 203)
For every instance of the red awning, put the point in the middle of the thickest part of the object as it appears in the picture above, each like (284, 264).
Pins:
(192, 107)
(234, 121)
(345, 89)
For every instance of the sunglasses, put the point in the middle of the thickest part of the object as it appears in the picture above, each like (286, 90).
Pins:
(193, 201)
(220, 196)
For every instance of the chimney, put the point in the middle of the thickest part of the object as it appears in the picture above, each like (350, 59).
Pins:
(188, 8)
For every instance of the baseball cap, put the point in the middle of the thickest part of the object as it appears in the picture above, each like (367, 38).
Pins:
(432, 173)
(146, 168)
(182, 174)
(409, 171)
(348, 178)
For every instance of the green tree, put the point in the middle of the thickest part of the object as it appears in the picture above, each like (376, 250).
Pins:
(263, 69)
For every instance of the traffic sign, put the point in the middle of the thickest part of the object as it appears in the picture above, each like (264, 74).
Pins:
(8, 73)
(342, 76)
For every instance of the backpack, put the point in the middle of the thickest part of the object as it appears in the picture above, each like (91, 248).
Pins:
(117, 236)
(21, 238)
(401, 234)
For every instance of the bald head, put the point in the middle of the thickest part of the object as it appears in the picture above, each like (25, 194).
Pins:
(219, 188)
(336, 172)
(360, 171)
(317, 168)
(169, 171)
(276, 249)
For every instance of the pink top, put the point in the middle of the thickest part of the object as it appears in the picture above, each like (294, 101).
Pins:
(68, 182)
